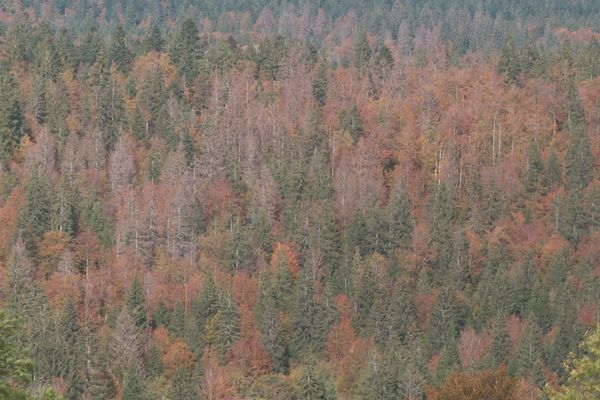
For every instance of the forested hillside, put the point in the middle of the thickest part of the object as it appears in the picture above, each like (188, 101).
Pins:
(292, 200)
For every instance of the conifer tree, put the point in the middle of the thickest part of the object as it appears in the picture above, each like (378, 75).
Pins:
(535, 166)
(529, 360)
(510, 61)
(319, 86)
(38, 204)
(136, 303)
(153, 362)
(153, 40)
(269, 322)
(133, 388)
(12, 122)
(228, 326)
(119, 53)
(183, 387)
(307, 317)
(362, 53)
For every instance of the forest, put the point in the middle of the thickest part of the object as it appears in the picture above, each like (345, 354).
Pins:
(336, 199)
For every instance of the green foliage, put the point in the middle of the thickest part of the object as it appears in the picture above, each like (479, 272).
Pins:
(319, 86)
(314, 384)
(583, 372)
(15, 366)
(94, 217)
(228, 326)
(12, 121)
(136, 303)
(133, 388)
(153, 362)
(362, 53)
(269, 311)
(119, 53)
(352, 123)
(307, 317)
(510, 61)
(38, 206)
(183, 386)
(529, 361)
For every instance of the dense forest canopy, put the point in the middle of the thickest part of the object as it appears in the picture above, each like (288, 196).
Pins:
(299, 200)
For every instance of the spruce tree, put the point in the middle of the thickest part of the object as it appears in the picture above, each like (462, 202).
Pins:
(319, 86)
(153, 363)
(177, 320)
(38, 204)
(183, 387)
(136, 303)
(12, 121)
(228, 326)
(510, 61)
(362, 53)
(133, 388)
(119, 53)
(153, 40)
(535, 166)
(307, 317)
(528, 361)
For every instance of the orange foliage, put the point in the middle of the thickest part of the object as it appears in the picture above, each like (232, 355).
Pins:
(472, 348)
(8, 219)
(340, 339)
(216, 384)
(291, 256)
(50, 249)
(178, 355)
(489, 385)
(162, 339)
(60, 288)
